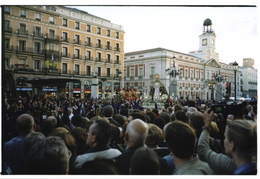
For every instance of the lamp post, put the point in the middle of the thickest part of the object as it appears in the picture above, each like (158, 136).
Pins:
(173, 73)
(235, 67)
(119, 76)
(211, 85)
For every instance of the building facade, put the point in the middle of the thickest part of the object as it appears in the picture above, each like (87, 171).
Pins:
(249, 78)
(65, 45)
(198, 74)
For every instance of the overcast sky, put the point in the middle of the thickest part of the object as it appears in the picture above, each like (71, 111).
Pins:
(178, 28)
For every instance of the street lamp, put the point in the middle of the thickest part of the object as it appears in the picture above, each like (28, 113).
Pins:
(235, 67)
(211, 85)
(173, 73)
(119, 75)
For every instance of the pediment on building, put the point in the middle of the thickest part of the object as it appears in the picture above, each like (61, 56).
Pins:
(212, 62)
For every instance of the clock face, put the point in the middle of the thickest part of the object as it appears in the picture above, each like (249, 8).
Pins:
(204, 42)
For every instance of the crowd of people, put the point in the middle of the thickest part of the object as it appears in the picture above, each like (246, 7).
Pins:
(121, 137)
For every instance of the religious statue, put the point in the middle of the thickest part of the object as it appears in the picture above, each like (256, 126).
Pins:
(158, 90)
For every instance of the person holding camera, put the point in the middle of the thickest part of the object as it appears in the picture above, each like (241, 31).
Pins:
(240, 146)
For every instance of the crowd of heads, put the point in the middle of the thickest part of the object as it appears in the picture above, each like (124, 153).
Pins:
(100, 137)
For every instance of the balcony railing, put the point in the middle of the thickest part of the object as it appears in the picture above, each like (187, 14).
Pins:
(52, 36)
(140, 77)
(117, 49)
(77, 41)
(108, 47)
(67, 55)
(40, 35)
(65, 39)
(77, 56)
(132, 77)
(117, 62)
(99, 59)
(8, 29)
(88, 44)
(22, 32)
(108, 61)
(9, 47)
(99, 45)
(88, 58)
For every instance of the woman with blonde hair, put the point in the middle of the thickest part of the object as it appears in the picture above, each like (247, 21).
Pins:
(240, 145)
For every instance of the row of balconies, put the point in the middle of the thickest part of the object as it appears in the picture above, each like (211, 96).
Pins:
(152, 76)
(20, 49)
(25, 68)
(190, 88)
(57, 38)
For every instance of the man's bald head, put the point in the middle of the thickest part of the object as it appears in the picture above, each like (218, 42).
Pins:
(25, 124)
(52, 119)
(137, 131)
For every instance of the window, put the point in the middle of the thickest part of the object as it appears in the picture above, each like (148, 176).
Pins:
(76, 40)
(117, 47)
(108, 72)
(117, 59)
(197, 74)
(51, 20)
(7, 43)
(64, 51)
(7, 25)
(37, 31)
(51, 34)
(88, 55)
(201, 75)
(65, 22)
(38, 17)
(108, 33)
(76, 25)
(7, 63)
(64, 68)
(141, 72)
(37, 47)
(7, 10)
(88, 28)
(132, 73)
(77, 69)
(65, 36)
(207, 75)
(22, 29)
(108, 58)
(117, 35)
(77, 52)
(88, 41)
(98, 30)
(108, 45)
(191, 74)
(152, 70)
(99, 43)
(51, 46)
(23, 13)
(22, 61)
(88, 70)
(186, 73)
(22, 45)
(37, 64)
(98, 71)
(99, 56)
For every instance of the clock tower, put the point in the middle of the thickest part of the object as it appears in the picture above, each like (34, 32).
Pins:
(206, 43)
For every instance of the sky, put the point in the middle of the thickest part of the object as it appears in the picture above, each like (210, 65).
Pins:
(178, 28)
